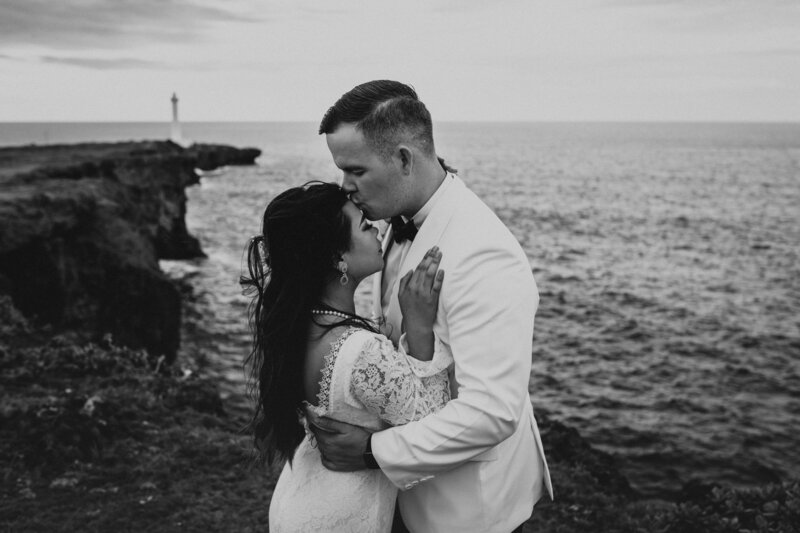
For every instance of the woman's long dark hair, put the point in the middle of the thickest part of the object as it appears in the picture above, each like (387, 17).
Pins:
(304, 234)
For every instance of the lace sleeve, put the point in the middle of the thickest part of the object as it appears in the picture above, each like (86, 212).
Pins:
(397, 387)
(441, 360)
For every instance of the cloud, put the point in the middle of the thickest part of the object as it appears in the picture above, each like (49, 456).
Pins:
(734, 25)
(717, 12)
(322, 9)
(701, 3)
(126, 63)
(765, 10)
(787, 53)
(452, 7)
(107, 23)
(104, 63)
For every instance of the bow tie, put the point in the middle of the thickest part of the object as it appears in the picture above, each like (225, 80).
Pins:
(403, 230)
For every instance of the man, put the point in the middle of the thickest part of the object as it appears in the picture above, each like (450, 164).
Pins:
(477, 464)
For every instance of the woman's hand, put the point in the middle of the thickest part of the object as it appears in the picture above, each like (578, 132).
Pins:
(419, 298)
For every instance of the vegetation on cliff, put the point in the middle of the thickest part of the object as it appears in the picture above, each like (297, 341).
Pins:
(96, 437)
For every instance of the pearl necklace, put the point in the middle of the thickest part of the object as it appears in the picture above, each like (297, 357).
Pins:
(330, 312)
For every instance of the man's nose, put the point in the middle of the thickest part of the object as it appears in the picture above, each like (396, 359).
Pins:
(347, 185)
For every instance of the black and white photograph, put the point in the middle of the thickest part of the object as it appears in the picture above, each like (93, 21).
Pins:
(441, 266)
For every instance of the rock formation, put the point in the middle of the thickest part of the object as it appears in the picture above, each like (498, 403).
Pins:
(82, 228)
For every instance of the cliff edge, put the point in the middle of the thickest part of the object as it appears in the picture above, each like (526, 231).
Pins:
(82, 228)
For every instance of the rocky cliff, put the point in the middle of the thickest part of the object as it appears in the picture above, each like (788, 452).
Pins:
(82, 228)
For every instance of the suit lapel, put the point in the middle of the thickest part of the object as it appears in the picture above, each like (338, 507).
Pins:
(427, 237)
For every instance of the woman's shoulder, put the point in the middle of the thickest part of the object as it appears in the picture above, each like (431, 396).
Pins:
(358, 336)
(355, 343)
(349, 337)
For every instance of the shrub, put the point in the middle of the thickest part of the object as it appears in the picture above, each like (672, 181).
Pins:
(772, 508)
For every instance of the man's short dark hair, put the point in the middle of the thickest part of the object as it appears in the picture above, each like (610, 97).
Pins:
(386, 112)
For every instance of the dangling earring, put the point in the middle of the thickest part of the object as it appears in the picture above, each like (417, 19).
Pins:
(342, 266)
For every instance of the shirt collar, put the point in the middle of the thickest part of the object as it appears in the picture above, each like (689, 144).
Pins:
(420, 216)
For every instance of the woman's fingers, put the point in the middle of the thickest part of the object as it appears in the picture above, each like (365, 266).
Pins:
(426, 260)
(430, 272)
(426, 277)
(437, 282)
(433, 265)
(421, 272)
(404, 281)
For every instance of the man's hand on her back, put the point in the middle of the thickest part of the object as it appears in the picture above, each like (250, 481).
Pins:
(341, 445)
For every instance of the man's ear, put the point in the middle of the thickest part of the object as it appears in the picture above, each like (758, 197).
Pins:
(406, 157)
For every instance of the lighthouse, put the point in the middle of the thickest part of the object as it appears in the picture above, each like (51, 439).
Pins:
(175, 132)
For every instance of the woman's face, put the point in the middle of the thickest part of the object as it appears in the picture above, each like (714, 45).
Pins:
(364, 256)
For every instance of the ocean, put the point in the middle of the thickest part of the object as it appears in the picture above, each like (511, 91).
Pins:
(666, 256)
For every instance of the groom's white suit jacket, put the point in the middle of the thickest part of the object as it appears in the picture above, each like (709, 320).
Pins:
(477, 464)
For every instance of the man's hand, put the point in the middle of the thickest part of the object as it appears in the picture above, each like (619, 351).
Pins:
(341, 445)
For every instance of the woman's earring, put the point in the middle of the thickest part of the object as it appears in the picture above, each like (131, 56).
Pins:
(342, 266)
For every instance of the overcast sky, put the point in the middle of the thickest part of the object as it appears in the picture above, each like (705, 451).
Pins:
(120, 60)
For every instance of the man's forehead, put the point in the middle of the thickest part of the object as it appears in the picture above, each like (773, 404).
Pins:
(346, 135)
(347, 158)
(348, 147)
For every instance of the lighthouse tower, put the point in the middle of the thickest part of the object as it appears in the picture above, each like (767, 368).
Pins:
(175, 131)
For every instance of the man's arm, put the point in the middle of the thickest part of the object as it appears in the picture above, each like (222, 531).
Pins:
(489, 302)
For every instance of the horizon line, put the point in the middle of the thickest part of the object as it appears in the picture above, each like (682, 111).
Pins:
(454, 121)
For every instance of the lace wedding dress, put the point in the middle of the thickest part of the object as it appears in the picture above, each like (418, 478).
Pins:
(365, 381)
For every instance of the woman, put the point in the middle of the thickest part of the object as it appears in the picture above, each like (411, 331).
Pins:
(312, 350)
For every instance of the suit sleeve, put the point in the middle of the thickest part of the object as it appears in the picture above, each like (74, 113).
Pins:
(489, 301)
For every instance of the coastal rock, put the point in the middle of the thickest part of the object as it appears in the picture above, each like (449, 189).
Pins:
(82, 228)
(211, 156)
(591, 493)
(566, 447)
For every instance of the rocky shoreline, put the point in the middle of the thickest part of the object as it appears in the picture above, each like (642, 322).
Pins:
(83, 228)
(100, 430)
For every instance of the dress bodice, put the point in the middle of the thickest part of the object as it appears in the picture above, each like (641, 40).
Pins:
(368, 382)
